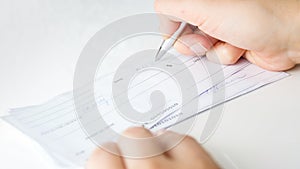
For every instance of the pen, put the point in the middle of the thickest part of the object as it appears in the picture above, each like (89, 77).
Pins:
(163, 49)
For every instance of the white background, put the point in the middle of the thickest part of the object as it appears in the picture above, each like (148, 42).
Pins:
(40, 41)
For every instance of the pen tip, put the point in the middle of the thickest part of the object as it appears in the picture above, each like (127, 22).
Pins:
(158, 54)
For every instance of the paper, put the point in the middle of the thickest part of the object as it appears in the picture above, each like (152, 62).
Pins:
(55, 126)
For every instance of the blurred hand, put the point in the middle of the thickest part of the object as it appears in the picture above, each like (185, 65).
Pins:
(266, 32)
(186, 155)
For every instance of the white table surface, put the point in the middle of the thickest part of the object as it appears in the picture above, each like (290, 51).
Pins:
(40, 41)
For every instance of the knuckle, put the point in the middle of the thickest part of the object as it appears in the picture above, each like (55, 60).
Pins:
(188, 140)
(98, 153)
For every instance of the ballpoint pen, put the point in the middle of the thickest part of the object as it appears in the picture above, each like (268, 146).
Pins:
(164, 47)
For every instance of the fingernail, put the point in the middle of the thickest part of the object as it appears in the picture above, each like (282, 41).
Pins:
(198, 49)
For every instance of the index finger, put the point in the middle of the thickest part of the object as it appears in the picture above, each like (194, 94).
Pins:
(103, 159)
(168, 25)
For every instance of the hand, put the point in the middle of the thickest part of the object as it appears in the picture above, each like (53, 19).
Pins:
(266, 32)
(186, 155)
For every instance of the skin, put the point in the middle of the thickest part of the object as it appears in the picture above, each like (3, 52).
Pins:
(266, 32)
(186, 155)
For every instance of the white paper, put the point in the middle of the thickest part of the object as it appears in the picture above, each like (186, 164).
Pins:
(55, 126)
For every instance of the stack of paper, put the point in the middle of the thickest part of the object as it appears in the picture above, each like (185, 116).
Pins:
(55, 125)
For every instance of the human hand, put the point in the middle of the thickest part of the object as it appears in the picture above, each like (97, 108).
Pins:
(188, 154)
(266, 32)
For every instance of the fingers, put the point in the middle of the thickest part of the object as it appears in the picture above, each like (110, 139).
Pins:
(167, 26)
(187, 10)
(272, 63)
(103, 159)
(142, 148)
(196, 153)
(224, 20)
(194, 44)
(192, 41)
(224, 53)
(183, 152)
(186, 145)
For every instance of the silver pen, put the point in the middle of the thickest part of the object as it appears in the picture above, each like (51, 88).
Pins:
(163, 49)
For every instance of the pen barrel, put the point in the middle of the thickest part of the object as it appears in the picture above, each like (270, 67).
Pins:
(171, 41)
